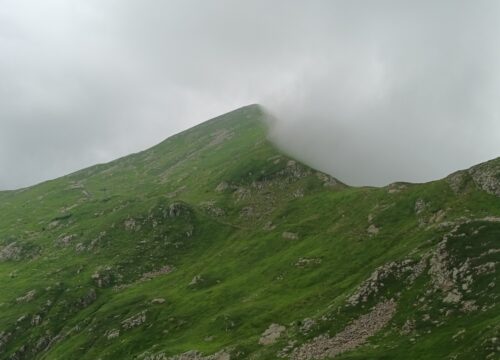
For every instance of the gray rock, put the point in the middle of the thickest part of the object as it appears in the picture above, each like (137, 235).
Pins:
(29, 296)
(134, 321)
(290, 235)
(354, 334)
(486, 176)
(12, 251)
(158, 301)
(272, 334)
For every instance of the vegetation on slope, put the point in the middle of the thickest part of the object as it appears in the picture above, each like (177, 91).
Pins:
(215, 245)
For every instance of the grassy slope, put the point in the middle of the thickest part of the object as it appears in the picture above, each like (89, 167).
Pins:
(114, 222)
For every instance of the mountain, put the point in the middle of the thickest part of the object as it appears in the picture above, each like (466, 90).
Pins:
(215, 245)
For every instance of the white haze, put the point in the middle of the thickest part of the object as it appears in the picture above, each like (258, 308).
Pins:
(369, 91)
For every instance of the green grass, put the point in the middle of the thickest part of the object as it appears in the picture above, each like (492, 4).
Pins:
(248, 272)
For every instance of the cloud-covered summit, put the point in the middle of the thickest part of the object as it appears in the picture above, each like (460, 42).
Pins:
(372, 92)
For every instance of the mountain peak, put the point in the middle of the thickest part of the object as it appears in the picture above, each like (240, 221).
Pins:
(214, 244)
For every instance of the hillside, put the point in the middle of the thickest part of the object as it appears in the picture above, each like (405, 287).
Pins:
(215, 245)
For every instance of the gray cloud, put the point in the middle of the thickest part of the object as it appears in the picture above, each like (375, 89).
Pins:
(371, 92)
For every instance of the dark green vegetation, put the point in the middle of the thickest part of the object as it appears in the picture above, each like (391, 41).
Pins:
(207, 239)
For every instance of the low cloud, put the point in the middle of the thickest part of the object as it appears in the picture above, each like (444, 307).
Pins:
(371, 92)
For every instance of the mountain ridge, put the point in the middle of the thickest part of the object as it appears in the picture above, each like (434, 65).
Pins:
(215, 245)
(267, 119)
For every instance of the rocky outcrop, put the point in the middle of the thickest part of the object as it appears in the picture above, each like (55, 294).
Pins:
(268, 226)
(372, 230)
(112, 334)
(222, 186)
(327, 180)
(304, 262)
(197, 279)
(134, 321)
(12, 251)
(307, 325)
(406, 270)
(458, 181)
(189, 355)
(272, 334)
(105, 276)
(290, 235)
(64, 239)
(36, 320)
(396, 188)
(158, 301)
(420, 206)
(29, 296)
(354, 334)
(131, 225)
(211, 209)
(453, 276)
(166, 269)
(241, 193)
(486, 176)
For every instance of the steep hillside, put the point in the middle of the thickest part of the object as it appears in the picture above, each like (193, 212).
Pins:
(215, 245)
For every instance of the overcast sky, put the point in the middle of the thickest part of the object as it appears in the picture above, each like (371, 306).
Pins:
(369, 91)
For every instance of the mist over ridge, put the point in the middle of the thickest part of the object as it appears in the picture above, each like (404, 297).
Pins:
(369, 92)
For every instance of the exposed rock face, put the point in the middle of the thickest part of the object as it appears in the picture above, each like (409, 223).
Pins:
(437, 217)
(211, 209)
(190, 355)
(158, 301)
(299, 193)
(294, 170)
(268, 226)
(396, 187)
(223, 186)
(130, 225)
(303, 262)
(307, 325)
(487, 176)
(36, 320)
(272, 334)
(167, 269)
(29, 296)
(134, 321)
(372, 230)
(420, 206)
(442, 277)
(11, 251)
(64, 239)
(112, 334)
(457, 181)
(354, 335)
(327, 179)
(408, 327)
(241, 193)
(452, 276)
(290, 235)
(197, 279)
(407, 270)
